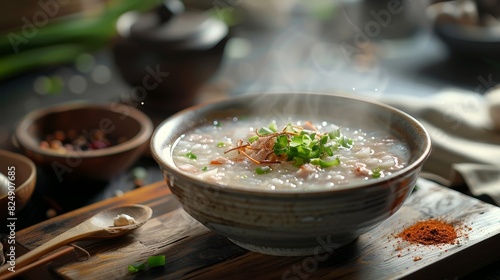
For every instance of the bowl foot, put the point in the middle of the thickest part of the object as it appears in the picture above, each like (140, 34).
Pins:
(290, 252)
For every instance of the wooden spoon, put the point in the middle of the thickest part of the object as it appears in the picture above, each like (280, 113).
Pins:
(98, 226)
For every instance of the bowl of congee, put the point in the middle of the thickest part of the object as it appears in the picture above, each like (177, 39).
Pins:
(286, 173)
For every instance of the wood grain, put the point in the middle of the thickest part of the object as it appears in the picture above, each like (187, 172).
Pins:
(194, 252)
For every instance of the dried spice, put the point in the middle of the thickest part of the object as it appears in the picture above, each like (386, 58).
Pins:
(430, 232)
(64, 141)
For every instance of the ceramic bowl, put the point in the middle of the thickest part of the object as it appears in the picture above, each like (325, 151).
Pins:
(471, 42)
(117, 121)
(21, 171)
(466, 33)
(293, 223)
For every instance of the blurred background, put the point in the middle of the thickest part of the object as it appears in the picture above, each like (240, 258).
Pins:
(163, 56)
(60, 50)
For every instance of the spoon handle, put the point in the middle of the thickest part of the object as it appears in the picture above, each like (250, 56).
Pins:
(55, 243)
(37, 263)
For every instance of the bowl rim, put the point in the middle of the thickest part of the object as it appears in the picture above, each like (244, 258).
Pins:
(23, 139)
(24, 159)
(156, 153)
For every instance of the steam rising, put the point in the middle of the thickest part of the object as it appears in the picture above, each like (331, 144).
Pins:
(347, 112)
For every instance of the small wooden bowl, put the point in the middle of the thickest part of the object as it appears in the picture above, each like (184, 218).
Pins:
(23, 175)
(116, 120)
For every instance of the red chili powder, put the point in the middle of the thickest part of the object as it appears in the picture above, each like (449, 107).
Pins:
(430, 232)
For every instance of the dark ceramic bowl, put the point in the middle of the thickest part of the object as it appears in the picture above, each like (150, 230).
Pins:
(293, 223)
(115, 120)
(24, 177)
(467, 37)
(469, 42)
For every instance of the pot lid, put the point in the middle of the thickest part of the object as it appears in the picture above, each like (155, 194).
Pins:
(173, 27)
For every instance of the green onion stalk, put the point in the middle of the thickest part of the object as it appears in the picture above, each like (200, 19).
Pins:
(61, 41)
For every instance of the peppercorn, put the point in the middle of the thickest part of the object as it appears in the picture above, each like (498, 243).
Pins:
(63, 141)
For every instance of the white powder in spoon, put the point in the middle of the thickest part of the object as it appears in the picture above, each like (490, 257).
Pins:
(123, 220)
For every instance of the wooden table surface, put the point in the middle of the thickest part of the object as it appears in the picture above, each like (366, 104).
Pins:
(192, 251)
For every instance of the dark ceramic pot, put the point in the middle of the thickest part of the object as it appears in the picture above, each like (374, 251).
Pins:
(166, 55)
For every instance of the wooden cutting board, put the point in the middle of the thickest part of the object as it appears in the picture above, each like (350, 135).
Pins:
(192, 251)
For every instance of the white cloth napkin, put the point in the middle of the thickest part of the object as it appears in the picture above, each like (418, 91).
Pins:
(465, 137)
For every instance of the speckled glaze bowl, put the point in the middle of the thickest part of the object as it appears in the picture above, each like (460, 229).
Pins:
(293, 223)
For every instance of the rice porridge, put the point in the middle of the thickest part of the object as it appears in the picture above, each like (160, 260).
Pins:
(293, 155)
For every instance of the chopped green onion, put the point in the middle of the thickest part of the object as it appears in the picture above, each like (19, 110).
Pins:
(221, 144)
(303, 151)
(415, 188)
(151, 261)
(329, 150)
(190, 155)
(273, 127)
(289, 128)
(281, 145)
(263, 170)
(301, 145)
(253, 138)
(265, 131)
(136, 267)
(376, 173)
(345, 142)
(300, 140)
(204, 168)
(335, 134)
(325, 164)
(298, 161)
(154, 261)
(324, 139)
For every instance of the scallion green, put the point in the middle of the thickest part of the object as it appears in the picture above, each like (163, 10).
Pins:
(263, 170)
(190, 155)
(136, 267)
(154, 261)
